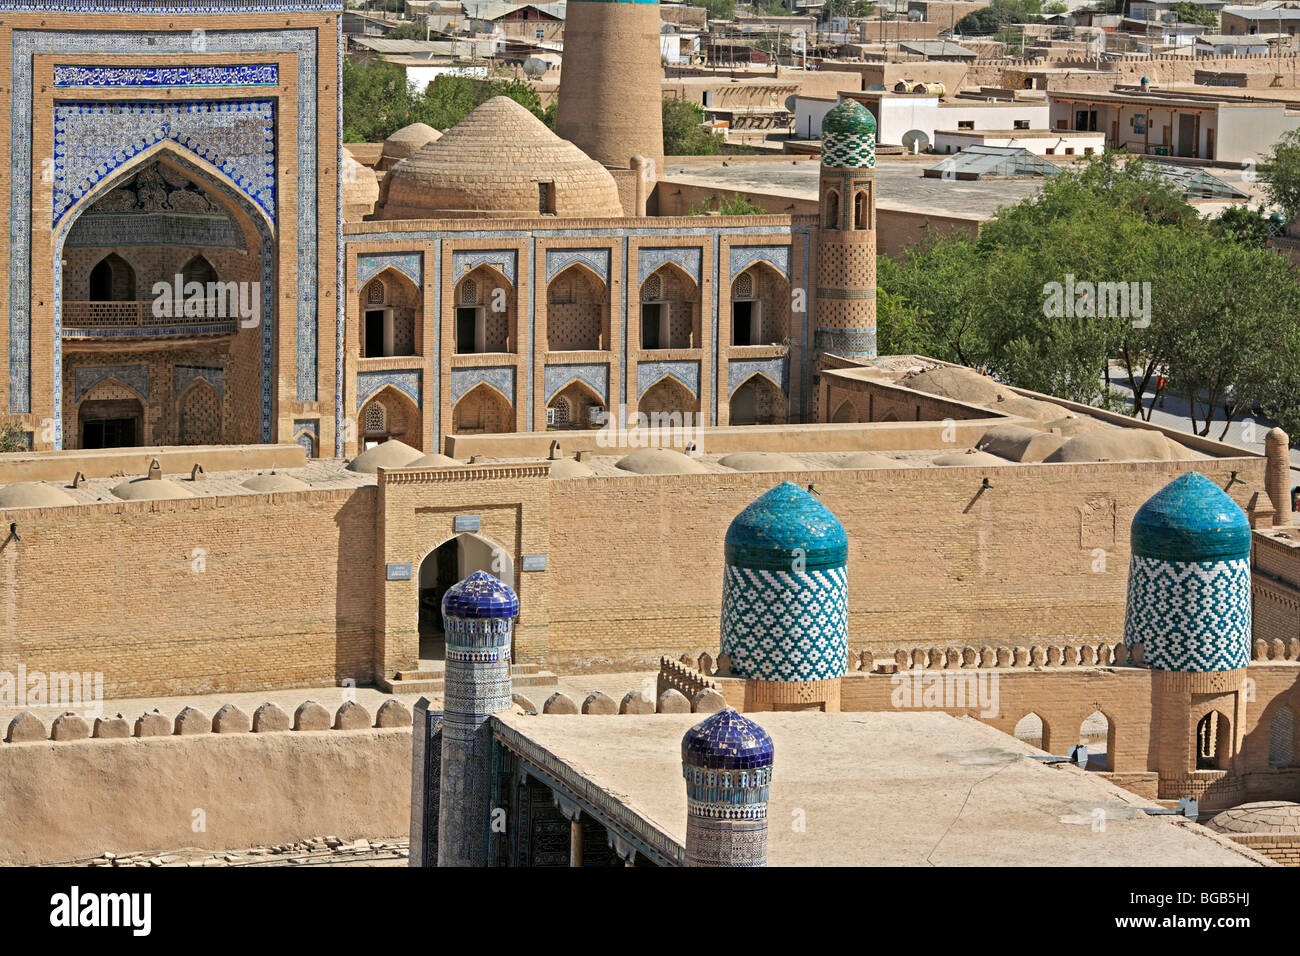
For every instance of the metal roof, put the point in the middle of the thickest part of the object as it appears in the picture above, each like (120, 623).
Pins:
(1194, 181)
(1254, 13)
(936, 48)
(1004, 162)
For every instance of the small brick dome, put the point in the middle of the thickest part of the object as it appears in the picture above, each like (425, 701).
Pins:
(406, 142)
(500, 161)
(480, 596)
(727, 740)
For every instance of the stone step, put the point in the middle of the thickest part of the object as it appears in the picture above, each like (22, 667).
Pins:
(436, 685)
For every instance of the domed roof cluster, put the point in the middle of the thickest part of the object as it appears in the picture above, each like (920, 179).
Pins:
(785, 523)
(480, 596)
(727, 740)
(1190, 519)
(498, 162)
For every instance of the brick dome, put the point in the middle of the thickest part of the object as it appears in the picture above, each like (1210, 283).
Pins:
(493, 164)
(406, 141)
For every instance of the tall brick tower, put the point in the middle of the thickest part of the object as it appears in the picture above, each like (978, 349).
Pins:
(611, 81)
(1189, 609)
(846, 247)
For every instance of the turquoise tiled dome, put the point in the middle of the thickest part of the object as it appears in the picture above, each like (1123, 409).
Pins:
(1190, 519)
(785, 522)
(851, 117)
(1189, 579)
(785, 604)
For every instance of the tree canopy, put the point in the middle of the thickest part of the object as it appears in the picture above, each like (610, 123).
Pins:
(378, 100)
(1108, 264)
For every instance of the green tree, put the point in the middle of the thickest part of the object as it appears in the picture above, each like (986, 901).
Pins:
(1194, 13)
(1279, 169)
(1242, 224)
(12, 437)
(718, 9)
(683, 133)
(997, 16)
(733, 205)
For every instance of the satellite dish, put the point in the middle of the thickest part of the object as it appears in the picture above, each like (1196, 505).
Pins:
(791, 102)
(533, 67)
(876, 88)
(915, 141)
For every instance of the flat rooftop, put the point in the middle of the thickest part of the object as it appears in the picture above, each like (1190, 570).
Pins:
(878, 789)
(901, 185)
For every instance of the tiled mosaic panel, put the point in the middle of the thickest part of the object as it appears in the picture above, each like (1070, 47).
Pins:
(111, 77)
(597, 260)
(91, 140)
(27, 43)
(725, 842)
(848, 151)
(742, 257)
(406, 381)
(686, 374)
(556, 377)
(775, 370)
(787, 626)
(1189, 615)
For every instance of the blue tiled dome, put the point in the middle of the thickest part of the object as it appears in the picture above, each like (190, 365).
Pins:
(480, 596)
(786, 520)
(1190, 519)
(727, 740)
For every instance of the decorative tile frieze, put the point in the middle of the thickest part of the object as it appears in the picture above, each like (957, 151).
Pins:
(689, 258)
(647, 373)
(409, 264)
(742, 257)
(114, 77)
(500, 377)
(86, 377)
(466, 261)
(92, 140)
(557, 377)
(776, 369)
(597, 260)
(406, 381)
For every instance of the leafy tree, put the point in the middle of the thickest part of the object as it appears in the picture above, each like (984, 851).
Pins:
(407, 31)
(1194, 13)
(1280, 170)
(1216, 317)
(1242, 224)
(998, 15)
(734, 205)
(718, 9)
(378, 100)
(12, 437)
(683, 133)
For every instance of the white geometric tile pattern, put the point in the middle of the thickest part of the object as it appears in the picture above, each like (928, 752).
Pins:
(1189, 616)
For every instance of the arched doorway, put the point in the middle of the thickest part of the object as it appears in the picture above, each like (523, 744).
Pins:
(390, 303)
(452, 561)
(760, 305)
(575, 406)
(483, 410)
(1213, 743)
(111, 280)
(1097, 733)
(1032, 729)
(670, 309)
(666, 398)
(390, 414)
(110, 416)
(758, 402)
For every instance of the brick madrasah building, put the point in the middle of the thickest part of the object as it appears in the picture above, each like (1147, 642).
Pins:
(400, 392)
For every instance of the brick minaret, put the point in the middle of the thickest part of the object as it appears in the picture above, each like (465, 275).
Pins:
(478, 616)
(846, 247)
(727, 762)
(611, 96)
(1189, 609)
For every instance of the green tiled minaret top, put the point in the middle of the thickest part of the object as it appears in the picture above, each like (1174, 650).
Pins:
(849, 137)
